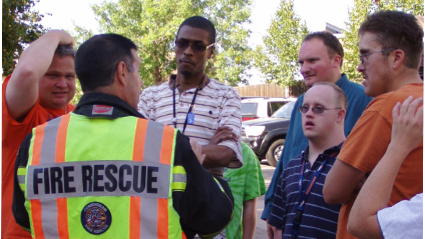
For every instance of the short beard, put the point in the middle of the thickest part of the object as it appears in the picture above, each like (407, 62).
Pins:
(186, 73)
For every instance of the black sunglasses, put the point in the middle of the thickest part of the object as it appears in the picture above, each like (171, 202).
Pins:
(316, 109)
(196, 48)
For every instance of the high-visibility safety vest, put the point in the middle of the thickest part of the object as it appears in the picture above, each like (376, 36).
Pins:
(97, 177)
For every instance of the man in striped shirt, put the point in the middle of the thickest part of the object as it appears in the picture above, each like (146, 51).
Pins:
(195, 104)
(299, 210)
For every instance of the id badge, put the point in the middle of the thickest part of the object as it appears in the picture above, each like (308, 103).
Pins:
(190, 118)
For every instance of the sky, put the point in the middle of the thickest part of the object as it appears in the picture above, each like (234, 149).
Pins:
(314, 12)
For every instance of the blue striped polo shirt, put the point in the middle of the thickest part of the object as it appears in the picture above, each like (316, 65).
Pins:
(319, 219)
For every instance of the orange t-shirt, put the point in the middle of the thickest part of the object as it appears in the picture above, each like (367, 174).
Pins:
(367, 143)
(13, 134)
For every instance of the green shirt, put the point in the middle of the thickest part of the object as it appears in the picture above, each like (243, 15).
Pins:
(246, 183)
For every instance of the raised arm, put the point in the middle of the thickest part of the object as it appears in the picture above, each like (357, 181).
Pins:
(23, 87)
(407, 133)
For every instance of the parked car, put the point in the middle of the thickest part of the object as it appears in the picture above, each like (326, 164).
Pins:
(266, 136)
(255, 108)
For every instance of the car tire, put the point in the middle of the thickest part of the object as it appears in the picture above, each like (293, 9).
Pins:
(274, 152)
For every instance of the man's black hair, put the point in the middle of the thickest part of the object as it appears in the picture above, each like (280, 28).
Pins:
(97, 59)
(201, 23)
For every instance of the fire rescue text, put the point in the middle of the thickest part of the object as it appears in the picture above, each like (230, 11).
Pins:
(95, 179)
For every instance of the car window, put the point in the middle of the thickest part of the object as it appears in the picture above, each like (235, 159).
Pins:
(249, 109)
(284, 111)
(273, 106)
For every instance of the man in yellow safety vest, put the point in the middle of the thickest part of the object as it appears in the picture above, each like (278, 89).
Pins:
(105, 171)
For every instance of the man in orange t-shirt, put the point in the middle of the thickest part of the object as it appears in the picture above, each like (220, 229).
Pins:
(391, 46)
(38, 90)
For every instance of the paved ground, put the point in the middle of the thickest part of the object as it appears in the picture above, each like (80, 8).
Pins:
(261, 230)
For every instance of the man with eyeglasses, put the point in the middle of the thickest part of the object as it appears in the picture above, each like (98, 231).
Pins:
(299, 210)
(195, 104)
(390, 47)
(320, 58)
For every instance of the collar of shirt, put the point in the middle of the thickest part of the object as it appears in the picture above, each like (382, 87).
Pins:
(174, 77)
(342, 81)
(120, 107)
(328, 152)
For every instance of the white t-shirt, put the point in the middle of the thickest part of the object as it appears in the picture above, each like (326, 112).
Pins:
(403, 220)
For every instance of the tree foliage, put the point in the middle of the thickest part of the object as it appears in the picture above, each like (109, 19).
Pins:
(362, 8)
(278, 60)
(20, 26)
(153, 25)
(81, 35)
(78, 93)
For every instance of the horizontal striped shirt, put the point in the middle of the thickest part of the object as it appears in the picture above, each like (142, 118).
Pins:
(215, 105)
(319, 219)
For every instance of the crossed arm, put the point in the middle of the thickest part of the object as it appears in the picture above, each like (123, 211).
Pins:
(223, 155)
(219, 155)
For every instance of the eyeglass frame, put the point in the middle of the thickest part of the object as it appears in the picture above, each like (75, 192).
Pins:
(361, 56)
(314, 109)
(191, 46)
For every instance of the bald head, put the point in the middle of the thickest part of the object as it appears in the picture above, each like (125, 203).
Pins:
(340, 98)
(323, 113)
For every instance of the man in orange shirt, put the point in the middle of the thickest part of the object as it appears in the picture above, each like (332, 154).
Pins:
(391, 46)
(37, 91)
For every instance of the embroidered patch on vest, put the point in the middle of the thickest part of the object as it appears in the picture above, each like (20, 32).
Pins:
(96, 218)
(102, 110)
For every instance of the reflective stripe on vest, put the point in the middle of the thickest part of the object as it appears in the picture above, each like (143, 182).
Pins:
(62, 175)
(21, 177)
(46, 149)
(179, 179)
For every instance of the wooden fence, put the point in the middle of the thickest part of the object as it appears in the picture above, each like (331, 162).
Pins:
(272, 90)
(263, 90)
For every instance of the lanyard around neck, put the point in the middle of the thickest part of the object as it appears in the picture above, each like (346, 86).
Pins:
(174, 120)
(304, 195)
